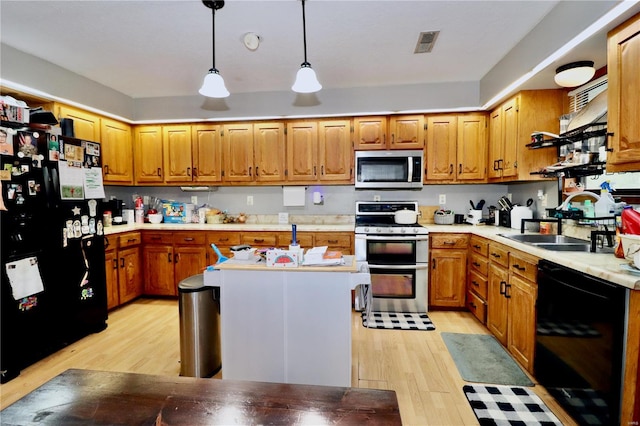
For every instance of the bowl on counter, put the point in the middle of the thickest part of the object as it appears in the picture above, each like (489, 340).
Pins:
(155, 217)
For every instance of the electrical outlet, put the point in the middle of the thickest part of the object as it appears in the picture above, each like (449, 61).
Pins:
(442, 199)
(249, 200)
(283, 218)
(376, 198)
(194, 199)
(543, 200)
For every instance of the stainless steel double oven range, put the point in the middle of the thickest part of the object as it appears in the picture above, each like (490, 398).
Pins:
(398, 256)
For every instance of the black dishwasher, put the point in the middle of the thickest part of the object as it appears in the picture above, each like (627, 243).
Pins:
(580, 342)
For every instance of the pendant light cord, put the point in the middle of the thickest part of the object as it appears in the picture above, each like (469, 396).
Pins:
(304, 33)
(213, 34)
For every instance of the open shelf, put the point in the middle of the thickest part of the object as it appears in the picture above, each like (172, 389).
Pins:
(575, 135)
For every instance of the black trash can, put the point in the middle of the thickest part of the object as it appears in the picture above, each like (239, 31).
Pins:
(199, 307)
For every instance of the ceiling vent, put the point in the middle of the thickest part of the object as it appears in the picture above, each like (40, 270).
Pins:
(426, 40)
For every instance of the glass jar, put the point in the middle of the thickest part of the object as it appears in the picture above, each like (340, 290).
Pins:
(107, 219)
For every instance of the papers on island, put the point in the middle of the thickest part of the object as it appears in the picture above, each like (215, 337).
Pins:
(320, 256)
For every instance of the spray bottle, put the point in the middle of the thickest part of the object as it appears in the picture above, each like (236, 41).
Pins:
(605, 206)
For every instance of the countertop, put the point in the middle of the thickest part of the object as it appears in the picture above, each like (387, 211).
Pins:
(233, 264)
(602, 265)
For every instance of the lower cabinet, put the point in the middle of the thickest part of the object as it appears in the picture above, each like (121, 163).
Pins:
(448, 271)
(477, 282)
(122, 265)
(170, 257)
(511, 312)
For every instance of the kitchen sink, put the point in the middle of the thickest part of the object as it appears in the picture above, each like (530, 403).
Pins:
(551, 242)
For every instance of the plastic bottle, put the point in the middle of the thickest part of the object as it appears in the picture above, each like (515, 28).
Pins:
(606, 204)
(588, 209)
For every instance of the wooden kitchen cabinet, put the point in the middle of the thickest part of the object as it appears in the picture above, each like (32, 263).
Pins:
(370, 133)
(171, 257)
(511, 313)
(623, 72)
(319, 151)
(269, 152)
(177, 153)
(254, 152)
(456, 148)
(477, 278)
(223, 240)
(335, 241)
(260, 239)
(447, 279)
(85, 124)
(206, 146)
(123, 272)
(148, 154)
(117, 149)
(510, 128)
(335, 151)
(407, 131)
(305, 239)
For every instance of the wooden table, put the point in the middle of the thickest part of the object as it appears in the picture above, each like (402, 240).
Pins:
(99, 397)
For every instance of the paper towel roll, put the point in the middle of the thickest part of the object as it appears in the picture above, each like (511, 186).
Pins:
(293, 195)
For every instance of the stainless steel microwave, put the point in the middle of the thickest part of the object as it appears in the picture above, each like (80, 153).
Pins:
(402, 169)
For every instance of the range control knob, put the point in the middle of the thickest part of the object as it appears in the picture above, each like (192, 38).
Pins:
(402, 230)
(366, 230)
(378, 230)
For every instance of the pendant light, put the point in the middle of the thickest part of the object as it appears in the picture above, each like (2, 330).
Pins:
(306, 80)
(213, 85)
(574, 74)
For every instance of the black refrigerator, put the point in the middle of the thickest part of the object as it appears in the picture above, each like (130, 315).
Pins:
(53, 289)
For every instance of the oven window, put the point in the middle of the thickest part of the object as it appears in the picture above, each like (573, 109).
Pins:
(393, 284)
(391, 252)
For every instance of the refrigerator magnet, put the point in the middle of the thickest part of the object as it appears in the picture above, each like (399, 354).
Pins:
(92, 207)
(77, 229)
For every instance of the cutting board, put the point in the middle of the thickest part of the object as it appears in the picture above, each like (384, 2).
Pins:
(426, 213)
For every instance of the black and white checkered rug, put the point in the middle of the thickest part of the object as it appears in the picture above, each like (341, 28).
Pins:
(570, 328)
(397, 321)
(587, 406)
(508, 405)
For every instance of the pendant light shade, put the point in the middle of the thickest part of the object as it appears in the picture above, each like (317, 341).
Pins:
(574, 74)
(213, 85)
(306, 79)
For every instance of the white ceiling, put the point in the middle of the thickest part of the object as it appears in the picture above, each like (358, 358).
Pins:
(163, 48)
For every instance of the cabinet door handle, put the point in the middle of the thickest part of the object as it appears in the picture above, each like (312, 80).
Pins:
(131, 240)
(433, 264)
(195, 172)
(475, 264)
(122, 262)
(473, 305)
(475, 283)
(519, 268)
(393, 138)
(169, 258)
(495, 165)
(506, 291)
(314, 170)
(475, 246)
(503, 287)
(322, 170)
(176, 258)
(159, 172)
(188, 239)
(188, 171)
(249, 171)
(156, 238)
(255, 240)
(332, 241)
(450, 169)
(500, 167)
(449, 243)
(460, 168)
(496, 255)
(106, 169)
(223, 239)
(257, 173)
(115, 263)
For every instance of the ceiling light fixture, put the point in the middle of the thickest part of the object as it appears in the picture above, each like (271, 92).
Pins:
(213, 85)
(306, 79)
(574, 74)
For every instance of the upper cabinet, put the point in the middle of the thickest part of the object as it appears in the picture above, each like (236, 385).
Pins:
(117, 164)
(177, 153)
(407, 131)
(206, 153)
(254, 152)
(148, 154)
(623, 68)
(510, 128)
(319, 151)
(456, 148)
(85, 125)
(370, 133)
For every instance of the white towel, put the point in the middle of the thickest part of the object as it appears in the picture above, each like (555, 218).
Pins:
(24, 277)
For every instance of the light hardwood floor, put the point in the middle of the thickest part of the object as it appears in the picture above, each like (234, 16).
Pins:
(143, 337)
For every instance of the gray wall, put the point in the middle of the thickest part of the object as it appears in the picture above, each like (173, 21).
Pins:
(340, 200)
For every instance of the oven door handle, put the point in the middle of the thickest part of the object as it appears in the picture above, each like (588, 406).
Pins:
(405, 267)
(393, 238)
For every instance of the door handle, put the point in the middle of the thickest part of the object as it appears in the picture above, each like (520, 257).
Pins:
(506, 291)
(503, 287)
(115, 263)
(122, 262)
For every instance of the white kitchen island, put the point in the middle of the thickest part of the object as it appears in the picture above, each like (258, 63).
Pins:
(287, 325)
